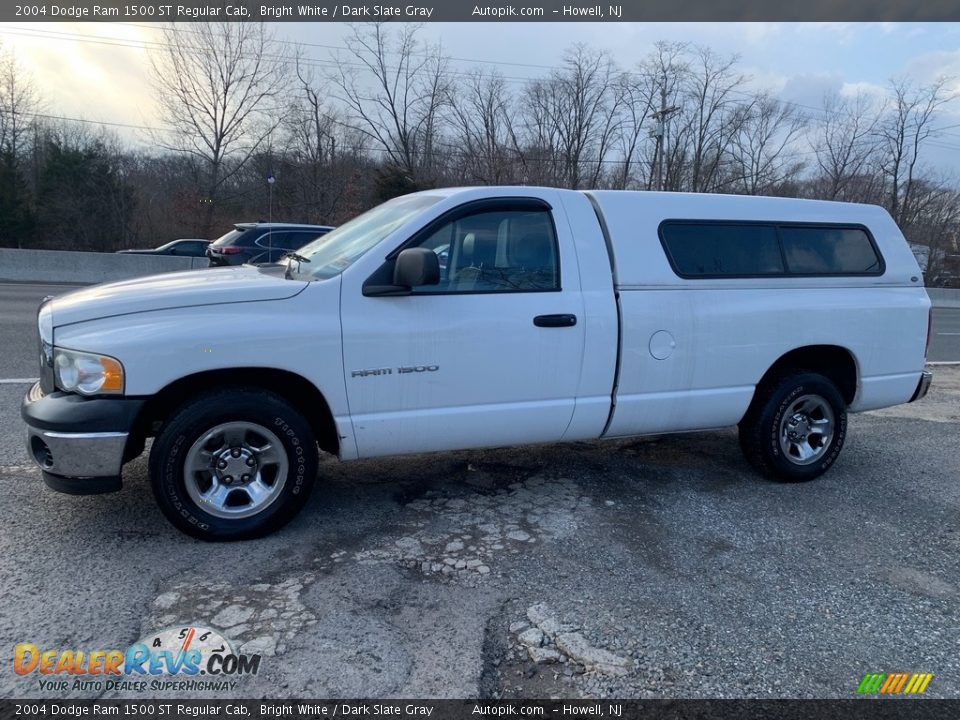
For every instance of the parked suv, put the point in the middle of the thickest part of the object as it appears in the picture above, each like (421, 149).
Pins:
(259, 243)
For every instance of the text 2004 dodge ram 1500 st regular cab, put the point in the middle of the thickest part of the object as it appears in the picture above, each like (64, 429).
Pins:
(482, 317)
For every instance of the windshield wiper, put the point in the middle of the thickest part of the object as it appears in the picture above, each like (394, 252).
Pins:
(298, 258)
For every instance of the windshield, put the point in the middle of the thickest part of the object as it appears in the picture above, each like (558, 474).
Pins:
(333, 253)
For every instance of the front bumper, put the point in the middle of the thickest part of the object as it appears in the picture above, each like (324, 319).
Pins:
(926, 377)
(79, 443)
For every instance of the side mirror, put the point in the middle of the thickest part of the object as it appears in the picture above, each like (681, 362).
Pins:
(416, 266)
(413, 267)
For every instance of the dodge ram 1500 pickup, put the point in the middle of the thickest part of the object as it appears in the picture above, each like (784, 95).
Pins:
(482, 317)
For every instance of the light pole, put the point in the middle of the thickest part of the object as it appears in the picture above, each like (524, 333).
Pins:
(271, 179)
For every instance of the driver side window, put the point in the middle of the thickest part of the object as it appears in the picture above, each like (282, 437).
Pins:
(495, 251)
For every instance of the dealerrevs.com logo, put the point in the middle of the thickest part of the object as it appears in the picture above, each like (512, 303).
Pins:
(177, 658)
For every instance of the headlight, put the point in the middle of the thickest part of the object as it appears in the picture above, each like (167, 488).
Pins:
(87, 373)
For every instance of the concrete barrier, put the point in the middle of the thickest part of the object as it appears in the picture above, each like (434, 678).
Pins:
(944, 297)
(86, 268)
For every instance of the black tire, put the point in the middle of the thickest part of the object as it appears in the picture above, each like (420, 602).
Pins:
(234, 408)
(760, 429)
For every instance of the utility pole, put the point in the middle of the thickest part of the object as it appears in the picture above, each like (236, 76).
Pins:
(660, 128)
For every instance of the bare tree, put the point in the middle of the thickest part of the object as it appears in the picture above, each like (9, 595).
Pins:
(761, 150)
(637, 102)
(537, 145)
(218, 87)
(395, 88)
(708, 121)
(320, 151)
(903, 131)
(575, 115)
(482, 111)
(845, 144)
(19, 103)
(388, 119)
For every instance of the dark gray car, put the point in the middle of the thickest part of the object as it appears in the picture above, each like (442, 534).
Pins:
(186, 247)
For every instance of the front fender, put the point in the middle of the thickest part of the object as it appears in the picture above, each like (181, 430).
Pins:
(300, 334)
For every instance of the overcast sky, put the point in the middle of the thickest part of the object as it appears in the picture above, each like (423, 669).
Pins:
(98, 71)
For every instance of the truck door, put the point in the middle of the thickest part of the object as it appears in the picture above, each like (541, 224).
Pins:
(490, 356)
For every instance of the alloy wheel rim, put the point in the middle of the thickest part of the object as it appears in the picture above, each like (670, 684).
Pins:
(806, 429)
(235, 470)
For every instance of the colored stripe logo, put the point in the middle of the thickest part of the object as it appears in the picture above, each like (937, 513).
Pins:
(894, 683)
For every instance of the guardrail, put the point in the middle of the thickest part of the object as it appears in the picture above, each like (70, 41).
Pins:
(86, 268)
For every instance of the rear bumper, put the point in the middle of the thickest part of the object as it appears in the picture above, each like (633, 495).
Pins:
(78, 443)
(227, 260)
(926, 377)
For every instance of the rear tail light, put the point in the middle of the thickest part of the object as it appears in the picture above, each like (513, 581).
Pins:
(230, 250)
(929, 331)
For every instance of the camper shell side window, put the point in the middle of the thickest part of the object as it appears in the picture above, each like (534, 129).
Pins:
(705, 249)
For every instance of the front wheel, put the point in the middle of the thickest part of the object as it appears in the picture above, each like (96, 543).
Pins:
(795, 426)
(233, 464)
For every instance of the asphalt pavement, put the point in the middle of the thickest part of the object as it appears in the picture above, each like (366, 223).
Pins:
(18, 326)
(659, 567)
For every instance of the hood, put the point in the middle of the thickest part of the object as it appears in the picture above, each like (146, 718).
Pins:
(173, 290)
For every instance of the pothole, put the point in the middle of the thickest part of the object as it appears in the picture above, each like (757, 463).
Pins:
(546, 641)
(259, 618)
(462, 536)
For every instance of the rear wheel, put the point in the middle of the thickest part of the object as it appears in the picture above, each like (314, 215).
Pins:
(233, 464)
(795, 427)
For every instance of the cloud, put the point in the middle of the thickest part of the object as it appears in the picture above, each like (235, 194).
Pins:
(929, 67)
(842, 32)
(91, 71)
(809, 90)
(867, 89)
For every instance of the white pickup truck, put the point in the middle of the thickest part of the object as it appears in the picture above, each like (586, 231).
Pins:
(481, 317)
